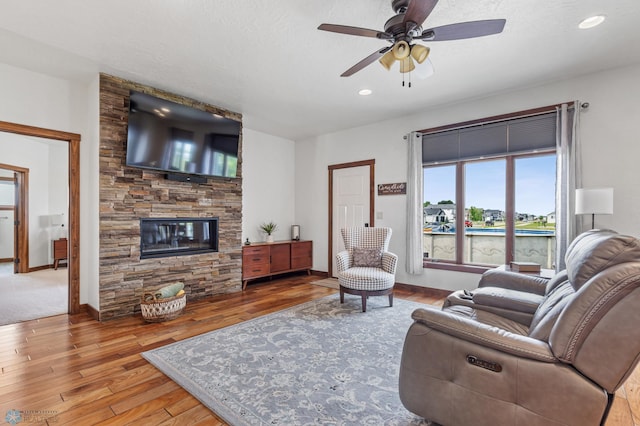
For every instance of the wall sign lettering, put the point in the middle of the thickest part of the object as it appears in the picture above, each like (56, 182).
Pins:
(392, 188)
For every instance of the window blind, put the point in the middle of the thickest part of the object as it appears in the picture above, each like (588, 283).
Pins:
(513, 136)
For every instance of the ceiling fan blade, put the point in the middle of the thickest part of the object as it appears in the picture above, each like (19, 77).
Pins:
(463, 30)
(356, 31)
(365, 62)
(419, 10)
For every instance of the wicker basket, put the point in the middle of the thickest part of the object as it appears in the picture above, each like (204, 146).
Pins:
(158, 310)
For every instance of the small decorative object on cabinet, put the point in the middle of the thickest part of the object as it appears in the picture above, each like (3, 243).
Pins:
(269, 228)
(59, 251)
(265, 260)
(295, 232)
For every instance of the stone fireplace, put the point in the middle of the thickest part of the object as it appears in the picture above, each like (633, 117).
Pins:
(176, 214)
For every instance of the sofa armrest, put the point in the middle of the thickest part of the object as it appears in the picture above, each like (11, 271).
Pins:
(389, 262)
(513, 281)
(343, 261)
(484, 335)
(504, 298)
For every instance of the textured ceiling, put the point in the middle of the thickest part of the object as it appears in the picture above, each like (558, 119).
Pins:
(267, 61)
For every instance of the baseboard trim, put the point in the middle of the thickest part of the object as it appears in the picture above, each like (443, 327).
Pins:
(40, 268)
(93, 312)
(320, 274)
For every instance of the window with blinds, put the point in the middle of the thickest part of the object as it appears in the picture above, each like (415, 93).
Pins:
(514, 136)
(489, 192)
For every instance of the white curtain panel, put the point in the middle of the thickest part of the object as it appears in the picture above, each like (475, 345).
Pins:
(569, 176)
(414, 204)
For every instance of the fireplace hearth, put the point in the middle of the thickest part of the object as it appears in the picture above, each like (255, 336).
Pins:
(177, 236)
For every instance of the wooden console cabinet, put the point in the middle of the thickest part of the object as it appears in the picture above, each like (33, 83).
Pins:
(267, 259)
(59, 251)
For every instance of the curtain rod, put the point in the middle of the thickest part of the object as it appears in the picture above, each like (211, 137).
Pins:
(502, 117)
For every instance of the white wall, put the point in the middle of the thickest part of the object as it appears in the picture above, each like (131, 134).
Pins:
(47, 164)
(610, 152)
(90, 198)
(268, 184)
(43, 101)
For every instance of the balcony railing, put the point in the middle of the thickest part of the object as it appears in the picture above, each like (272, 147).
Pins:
(489, 248)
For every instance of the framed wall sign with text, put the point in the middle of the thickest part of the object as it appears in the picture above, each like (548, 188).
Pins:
(392, 188)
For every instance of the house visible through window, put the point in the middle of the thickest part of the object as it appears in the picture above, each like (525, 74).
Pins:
(489, 192)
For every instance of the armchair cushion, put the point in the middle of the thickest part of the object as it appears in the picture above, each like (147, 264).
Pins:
(362, 278)
(367, 257)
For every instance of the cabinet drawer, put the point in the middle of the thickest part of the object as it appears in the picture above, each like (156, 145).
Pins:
(60, 249)
(255, 270)
(256, 259)
(258, 250)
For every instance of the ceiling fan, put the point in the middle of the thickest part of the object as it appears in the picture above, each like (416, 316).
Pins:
(406, 26)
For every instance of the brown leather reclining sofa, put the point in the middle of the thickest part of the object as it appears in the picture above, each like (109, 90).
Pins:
(527, 351)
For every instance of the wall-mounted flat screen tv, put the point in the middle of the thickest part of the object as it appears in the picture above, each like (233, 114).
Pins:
(175, 138)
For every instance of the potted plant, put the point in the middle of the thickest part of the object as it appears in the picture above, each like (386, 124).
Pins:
(269, 228)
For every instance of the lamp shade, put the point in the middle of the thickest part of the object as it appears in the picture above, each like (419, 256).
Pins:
(56, 219)
(401, 50)
(594, 201)
(387, 60)
(407, 65)
(424, 69)
(419, 53)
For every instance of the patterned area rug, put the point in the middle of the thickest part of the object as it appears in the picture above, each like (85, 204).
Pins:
(319, 363)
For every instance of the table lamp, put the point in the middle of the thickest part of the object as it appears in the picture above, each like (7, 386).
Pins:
(594, 201)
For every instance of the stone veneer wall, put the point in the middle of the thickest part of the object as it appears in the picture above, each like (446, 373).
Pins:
(128, 194)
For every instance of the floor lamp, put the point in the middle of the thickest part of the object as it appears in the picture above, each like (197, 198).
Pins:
(594, 201)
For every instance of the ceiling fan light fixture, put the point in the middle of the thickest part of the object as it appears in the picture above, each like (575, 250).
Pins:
(407, 65)
(401, 50)
(419, 53)
(387, 60)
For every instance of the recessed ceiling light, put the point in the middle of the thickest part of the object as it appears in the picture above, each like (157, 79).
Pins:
(365, 92)
(591, 22)
(165, 109)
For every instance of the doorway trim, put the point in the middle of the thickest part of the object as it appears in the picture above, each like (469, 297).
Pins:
(332, 167)
(74, 199)
(20, 214)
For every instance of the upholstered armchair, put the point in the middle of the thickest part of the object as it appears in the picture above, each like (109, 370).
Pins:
(466, 365)
(365, 267)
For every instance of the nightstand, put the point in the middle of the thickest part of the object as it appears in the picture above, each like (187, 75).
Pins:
(59, 251)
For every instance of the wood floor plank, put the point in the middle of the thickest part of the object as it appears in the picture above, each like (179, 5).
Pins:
(92, 373)
(182, 406)
(196, 415)
(86, 416)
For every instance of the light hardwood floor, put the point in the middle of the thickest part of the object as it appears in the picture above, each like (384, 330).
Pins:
(87, 373)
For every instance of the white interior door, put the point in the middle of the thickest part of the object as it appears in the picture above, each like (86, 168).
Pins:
(350, 203)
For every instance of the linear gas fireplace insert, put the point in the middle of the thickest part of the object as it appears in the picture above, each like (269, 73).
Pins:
(178, 236)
